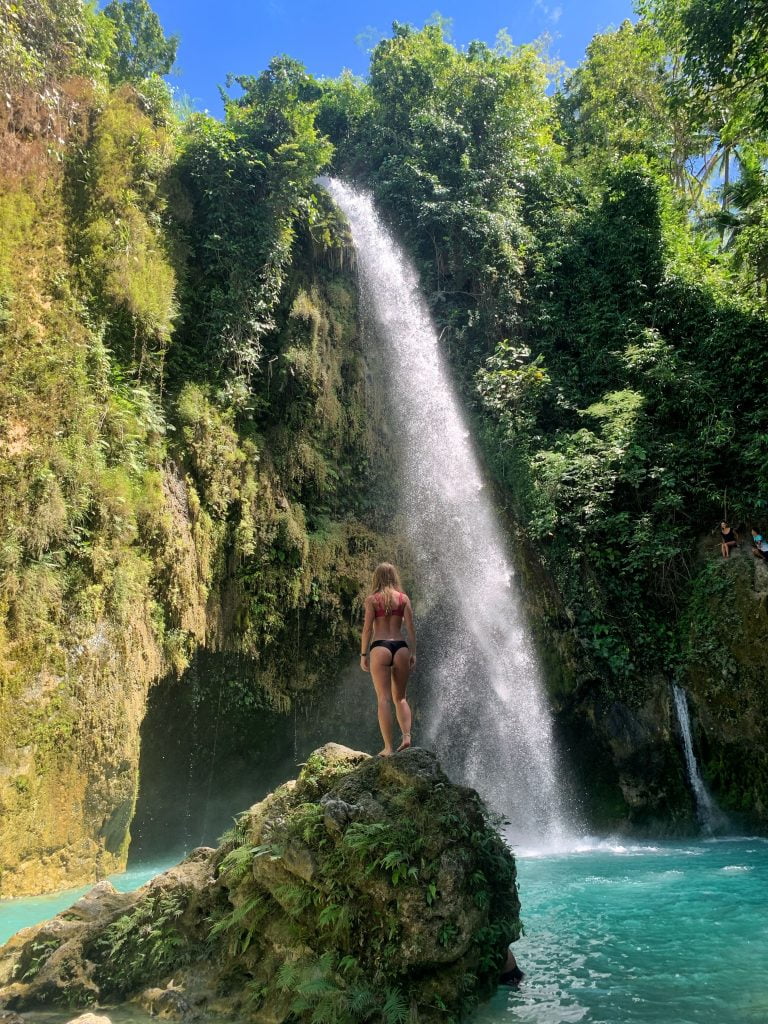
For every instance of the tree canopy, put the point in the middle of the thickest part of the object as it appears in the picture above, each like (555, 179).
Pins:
(141, 48)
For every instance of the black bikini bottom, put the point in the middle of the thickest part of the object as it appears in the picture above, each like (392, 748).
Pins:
(393, 646)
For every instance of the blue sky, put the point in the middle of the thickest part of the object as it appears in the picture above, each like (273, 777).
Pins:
(240, 36)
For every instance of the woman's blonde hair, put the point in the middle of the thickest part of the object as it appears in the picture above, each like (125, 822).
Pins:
(387, 583)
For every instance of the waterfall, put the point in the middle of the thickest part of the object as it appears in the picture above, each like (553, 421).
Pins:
(485, 711)
(710, 816)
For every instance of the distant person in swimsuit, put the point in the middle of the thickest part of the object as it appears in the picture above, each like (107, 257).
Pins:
(728, 539)
(390, 658)
(760, 549)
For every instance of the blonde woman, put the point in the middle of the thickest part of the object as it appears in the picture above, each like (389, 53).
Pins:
(390, 658)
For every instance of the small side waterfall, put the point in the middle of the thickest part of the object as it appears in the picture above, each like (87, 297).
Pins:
(486, 711)
(710, 816)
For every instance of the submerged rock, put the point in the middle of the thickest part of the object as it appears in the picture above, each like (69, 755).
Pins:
(89, 1018)
(168, 1003)
(366, 887)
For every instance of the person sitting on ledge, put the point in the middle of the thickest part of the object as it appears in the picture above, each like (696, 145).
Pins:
(760, 549)
(728, 539)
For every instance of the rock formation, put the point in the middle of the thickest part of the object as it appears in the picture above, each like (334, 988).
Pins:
(367, 886)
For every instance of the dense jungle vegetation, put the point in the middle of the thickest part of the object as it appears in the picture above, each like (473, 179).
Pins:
(598, 252)
(178, 332)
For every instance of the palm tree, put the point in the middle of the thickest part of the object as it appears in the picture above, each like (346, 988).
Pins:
(742, 220)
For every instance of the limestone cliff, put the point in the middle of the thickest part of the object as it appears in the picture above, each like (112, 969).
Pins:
(367, 887)
(220, 548)
(634, 777)
(156, 498)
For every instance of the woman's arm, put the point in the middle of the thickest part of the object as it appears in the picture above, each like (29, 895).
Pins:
(410, 629)
(365, 639)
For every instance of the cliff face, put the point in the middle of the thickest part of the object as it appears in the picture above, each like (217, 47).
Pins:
(368, 887)
(635, 776)
(152, 500)
(726, 677)
(215, 552)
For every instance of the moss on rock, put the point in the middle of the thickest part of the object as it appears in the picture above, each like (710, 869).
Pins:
(149, 506)
(368, 888)
(725, 628)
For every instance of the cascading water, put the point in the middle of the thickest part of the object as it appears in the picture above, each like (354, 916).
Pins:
(711, 817)
(486, 712)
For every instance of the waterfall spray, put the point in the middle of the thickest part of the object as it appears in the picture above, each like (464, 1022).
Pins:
(486, 713)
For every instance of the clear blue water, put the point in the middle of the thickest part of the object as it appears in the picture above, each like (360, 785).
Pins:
(16, 914)
(644, 933)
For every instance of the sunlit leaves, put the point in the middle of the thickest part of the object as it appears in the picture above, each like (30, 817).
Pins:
(250, 179)
(141, 48)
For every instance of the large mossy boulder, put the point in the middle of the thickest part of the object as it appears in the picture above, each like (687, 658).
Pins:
(368, 889)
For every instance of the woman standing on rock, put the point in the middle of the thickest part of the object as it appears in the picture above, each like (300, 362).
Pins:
(390, 658)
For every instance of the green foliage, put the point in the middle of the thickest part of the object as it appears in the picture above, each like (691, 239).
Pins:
(121, 242)
(614, 104)
(623, 446)
(345, 103)
(35, 957)
(250, 181)
(41, 39)
(237, 863)
(324, 990)
(386, 849)
(741, 222)
(141, 49)
(143, 945)
(242, 923)
(449, 139)
(340, 930)
(214, 448)
(724, 56)
(715, 83)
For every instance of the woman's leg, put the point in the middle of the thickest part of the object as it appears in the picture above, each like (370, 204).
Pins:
(381, 674)
(401, 669)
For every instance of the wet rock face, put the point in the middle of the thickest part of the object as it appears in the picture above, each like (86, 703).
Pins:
(627, 758)
(366, 883)
(725, 679)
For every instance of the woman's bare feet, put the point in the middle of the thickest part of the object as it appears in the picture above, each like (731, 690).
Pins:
(406, 742)
(385, 753)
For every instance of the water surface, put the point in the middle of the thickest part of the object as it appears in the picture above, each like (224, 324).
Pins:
(616, 933)
(643, 933)
(21, 913)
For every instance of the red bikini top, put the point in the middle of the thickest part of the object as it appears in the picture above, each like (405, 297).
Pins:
(378, 606)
